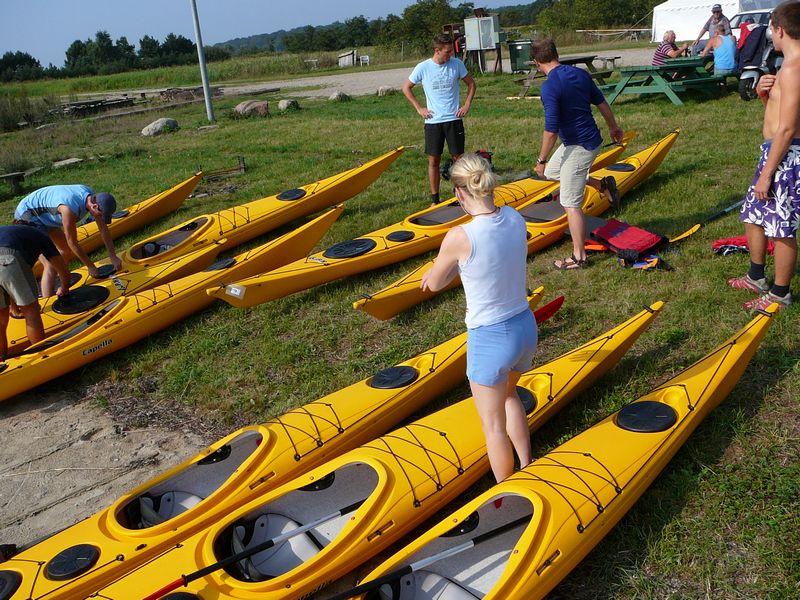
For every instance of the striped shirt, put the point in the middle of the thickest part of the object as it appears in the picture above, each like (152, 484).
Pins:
(661, 55)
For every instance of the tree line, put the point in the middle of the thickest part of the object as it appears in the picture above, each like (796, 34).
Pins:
(414, 28)
(103, 56)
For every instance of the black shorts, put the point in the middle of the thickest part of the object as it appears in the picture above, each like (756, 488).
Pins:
(437, 133)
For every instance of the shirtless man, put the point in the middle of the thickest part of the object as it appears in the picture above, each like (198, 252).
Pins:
(772, 204)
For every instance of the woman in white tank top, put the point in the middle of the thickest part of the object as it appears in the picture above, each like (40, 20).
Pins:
(490, 254)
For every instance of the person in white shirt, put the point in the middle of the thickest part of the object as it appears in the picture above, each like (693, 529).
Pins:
(490, 253)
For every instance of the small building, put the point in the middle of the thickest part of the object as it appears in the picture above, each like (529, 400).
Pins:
(348, 59)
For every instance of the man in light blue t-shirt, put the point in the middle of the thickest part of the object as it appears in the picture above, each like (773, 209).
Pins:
(440, 77)
(56, 210)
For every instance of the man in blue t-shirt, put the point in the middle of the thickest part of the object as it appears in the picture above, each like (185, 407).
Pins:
(56, 210)
(440, 77)
(568, 95)
(20, 247)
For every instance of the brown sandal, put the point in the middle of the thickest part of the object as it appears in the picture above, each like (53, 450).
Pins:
(567, 264)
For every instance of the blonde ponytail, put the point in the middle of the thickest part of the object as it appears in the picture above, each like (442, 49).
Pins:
(474, 174)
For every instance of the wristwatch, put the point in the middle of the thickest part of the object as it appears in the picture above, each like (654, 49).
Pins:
(541, 161)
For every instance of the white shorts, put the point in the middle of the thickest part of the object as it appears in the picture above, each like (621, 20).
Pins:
(570, 165)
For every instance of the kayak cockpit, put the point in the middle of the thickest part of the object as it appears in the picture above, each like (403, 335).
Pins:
(474, 571)
(184, 490)
(166, 242)
(295, 527)
(440, 216)
(543, 212)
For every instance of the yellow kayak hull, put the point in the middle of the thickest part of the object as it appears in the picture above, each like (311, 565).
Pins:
(546, 226)
(402, 478)
(230, 472)
(565, 502)
(127, 319)
(417, 233)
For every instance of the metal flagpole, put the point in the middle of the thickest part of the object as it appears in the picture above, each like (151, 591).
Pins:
(202, 57)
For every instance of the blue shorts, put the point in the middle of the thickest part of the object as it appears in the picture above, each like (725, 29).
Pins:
(495, 350)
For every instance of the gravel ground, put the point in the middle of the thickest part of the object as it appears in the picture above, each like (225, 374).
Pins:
(361, 83)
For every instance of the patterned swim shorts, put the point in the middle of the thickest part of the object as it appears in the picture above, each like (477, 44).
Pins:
(780, 214)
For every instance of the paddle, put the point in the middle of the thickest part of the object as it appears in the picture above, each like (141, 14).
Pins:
(543, 313)
(422, 563)
(695, 228)
(184, 580)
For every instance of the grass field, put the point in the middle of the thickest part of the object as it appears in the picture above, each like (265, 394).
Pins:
(722, 519)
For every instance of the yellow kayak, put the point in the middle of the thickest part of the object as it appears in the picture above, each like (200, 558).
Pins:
(417, 233)
(546, 223)
(129, 318)
(340, 514)
(193, 245)
(156, 516)
(520, 538)
(242, 223)
(88, 294)
(136, 216)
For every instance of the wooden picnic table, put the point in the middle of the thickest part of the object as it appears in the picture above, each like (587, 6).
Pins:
(585, 60)
(676, 76)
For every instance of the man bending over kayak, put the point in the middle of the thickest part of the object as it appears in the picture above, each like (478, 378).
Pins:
(56, 210)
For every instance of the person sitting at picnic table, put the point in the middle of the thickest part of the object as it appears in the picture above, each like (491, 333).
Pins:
(668, 49)
(724, 48)
(715, 19)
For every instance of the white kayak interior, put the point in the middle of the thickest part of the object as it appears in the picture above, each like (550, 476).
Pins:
(188, 487)
(469, 574)
(350, 484)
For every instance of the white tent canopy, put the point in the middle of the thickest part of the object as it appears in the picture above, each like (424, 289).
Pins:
(687, 17)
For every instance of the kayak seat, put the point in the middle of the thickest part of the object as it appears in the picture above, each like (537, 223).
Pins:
(278, 559)
(432, 586)
(440, 216)
(155, 510)
(542, 212)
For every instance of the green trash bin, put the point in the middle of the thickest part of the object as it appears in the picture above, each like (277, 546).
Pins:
(519, 51)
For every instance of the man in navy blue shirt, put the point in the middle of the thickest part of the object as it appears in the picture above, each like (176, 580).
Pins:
(568, 96)
(20, 248)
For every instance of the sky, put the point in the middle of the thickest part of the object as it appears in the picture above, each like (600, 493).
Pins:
(46, 28)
